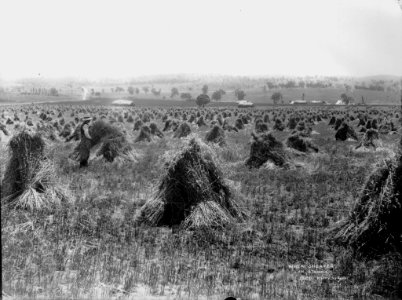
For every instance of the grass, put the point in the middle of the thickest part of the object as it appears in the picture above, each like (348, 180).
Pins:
(254, 93)
(89, 248)
(330, 95)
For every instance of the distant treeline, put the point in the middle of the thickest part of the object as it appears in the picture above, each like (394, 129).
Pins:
(371, 87)
(300, 84)
(40, 91)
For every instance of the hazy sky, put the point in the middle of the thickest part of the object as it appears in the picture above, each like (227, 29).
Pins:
(120, 38)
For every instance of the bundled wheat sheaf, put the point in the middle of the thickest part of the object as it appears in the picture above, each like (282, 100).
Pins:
(145, 135)
(370, 139)
(182, 131)
(30, 180)
(266, 148)
(296, 141)
(345, 132)
(192, 194)
(113, 147)
(216, 135)
(112, 142)
(374, 226)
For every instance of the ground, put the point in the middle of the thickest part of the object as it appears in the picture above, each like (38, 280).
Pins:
(90, 247)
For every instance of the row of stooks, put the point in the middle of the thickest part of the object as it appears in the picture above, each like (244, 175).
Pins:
(283, 118)
(49, 113)
(193, 194)
(301, 129)
(203, 198)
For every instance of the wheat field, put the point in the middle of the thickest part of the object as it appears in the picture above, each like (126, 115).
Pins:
(89, 246)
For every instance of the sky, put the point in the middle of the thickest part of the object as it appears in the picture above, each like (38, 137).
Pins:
(128, 38)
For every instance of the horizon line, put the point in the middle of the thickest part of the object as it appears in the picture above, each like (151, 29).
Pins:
(169, 75)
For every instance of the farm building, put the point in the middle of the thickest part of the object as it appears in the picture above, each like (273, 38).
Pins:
(123, 102)
(315, 102)
(244, 103)
(298, 102)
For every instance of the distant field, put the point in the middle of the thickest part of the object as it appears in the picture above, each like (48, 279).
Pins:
(328, 95)
(141, 102)
(256, 95)
(16, 98)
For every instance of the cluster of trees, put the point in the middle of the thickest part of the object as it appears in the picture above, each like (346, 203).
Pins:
(318, 84)
(93, 93)
(204, 89)
(348, 87)
(301, 84)
(53, 92)
(174, 92)
(202, 100)
(217, 95)
(289, 85)
(272, 85)
(42, 91)
(156, 92)
(118, 89)
(39, 91)
(276, 97)
(186, 96)
(131, 90)
(240, 94)
(371, 87)
(347, 99)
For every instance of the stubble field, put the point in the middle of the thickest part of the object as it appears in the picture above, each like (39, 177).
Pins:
(89, 246)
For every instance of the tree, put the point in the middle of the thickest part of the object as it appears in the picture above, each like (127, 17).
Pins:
(348, 88)
(276, 97)
(344, 98)
(130, 89)
(156, 92)
(271, 85)
(202, 100)
(205, 89)
(186, 96)
(240, 94)
(54, 92)
(217, 95)
(137, 91)
(145, 89)
(174, 92)
(347, 99)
